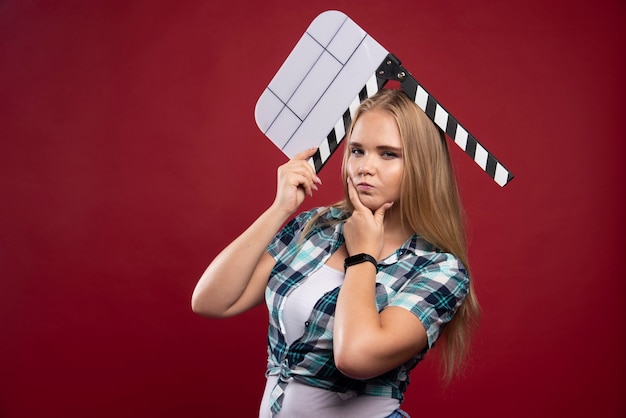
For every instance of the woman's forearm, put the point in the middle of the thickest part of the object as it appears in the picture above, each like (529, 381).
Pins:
(368, 343)
(230, 278)
(356, 315)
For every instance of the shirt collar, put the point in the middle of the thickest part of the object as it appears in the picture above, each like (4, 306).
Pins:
(414, 244)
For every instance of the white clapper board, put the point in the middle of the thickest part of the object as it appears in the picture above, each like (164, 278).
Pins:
(333, 67)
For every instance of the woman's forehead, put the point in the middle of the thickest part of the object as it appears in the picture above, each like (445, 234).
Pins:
(376, 127)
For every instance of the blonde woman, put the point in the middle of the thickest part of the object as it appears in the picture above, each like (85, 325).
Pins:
(359, 291)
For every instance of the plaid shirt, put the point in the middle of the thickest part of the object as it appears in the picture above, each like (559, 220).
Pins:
(417, 277)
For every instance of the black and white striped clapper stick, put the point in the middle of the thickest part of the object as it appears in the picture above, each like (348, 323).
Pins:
(333, 67)
(391, 69)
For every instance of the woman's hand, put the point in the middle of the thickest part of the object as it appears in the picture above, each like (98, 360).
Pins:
(296, 180)
(364, 230)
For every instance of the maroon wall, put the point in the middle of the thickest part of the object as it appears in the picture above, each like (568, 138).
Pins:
(129, 156)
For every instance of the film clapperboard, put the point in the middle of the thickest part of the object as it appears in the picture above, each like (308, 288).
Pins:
(333, 67)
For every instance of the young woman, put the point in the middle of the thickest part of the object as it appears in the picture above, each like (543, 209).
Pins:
(357, 292)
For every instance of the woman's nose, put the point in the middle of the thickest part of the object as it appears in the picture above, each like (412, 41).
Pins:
(367, 166)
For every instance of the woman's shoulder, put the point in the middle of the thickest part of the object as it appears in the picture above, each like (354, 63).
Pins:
(429, 254)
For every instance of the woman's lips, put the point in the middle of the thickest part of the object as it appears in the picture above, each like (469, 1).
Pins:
(364, 187)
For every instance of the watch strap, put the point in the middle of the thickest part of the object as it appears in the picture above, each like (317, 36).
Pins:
(358, 259)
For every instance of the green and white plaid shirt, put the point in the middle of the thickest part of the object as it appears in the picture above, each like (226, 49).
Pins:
(429, 283)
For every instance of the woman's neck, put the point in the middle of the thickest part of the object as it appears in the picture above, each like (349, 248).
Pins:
(395, 230)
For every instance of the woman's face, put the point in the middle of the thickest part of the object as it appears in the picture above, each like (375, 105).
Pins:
(375, 162)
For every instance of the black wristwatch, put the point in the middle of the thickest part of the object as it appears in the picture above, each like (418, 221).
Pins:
(358, 259)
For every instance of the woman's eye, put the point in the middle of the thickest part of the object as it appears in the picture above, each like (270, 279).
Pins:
(356, 151)
(389, 154)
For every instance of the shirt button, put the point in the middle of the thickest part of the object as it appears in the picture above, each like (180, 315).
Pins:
(306, 324)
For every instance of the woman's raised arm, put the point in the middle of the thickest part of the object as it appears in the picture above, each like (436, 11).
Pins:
(235, 280)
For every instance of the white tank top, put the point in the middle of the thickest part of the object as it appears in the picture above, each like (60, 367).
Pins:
(306, 401)
(300, 302)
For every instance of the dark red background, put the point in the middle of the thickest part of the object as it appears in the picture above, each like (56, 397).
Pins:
(130, 157)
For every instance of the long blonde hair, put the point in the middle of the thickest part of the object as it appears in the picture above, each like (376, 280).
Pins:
(430, 205)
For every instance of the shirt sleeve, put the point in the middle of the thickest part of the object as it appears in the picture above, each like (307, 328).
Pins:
(434, 293)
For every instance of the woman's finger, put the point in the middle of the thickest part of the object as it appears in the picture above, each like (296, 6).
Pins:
(300, 161)
(379, 214)
(305, 155)
(305, 182)
(354, 197)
